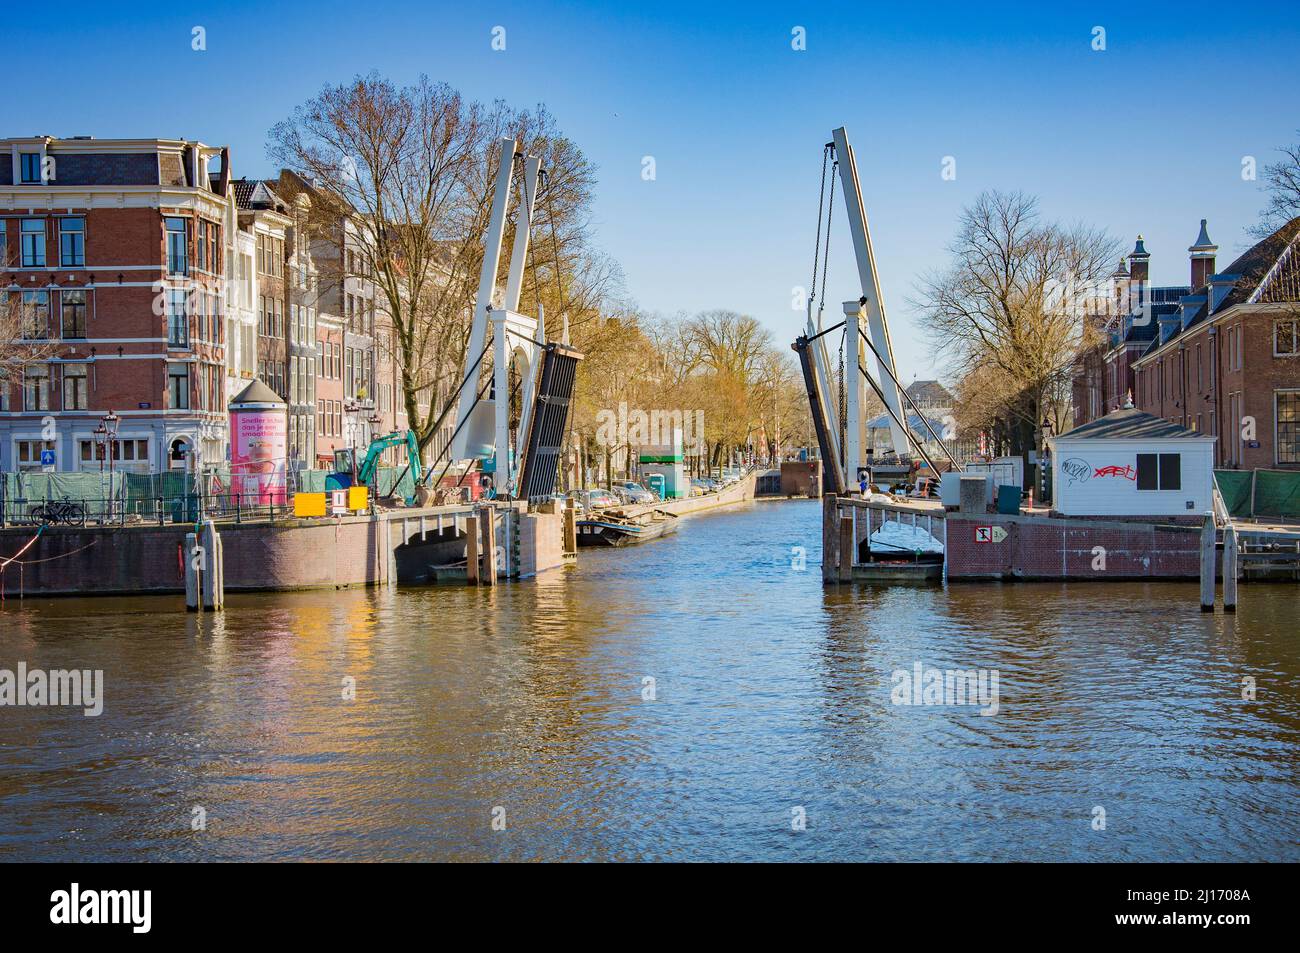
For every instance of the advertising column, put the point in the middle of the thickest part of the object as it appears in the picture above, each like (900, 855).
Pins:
(259, 445)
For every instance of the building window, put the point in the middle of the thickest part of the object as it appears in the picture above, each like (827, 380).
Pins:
(1159, 471)
(36, 315)
(33, 242)
(30, 167)
(177, 247)
(36, 388)
(1288, 426)
(124, 451)
(73, 305)
(29, 453)
(74, 387)
(214, 247)
(178, 327)
(178, 386)
(72, 242)
(1286, 338)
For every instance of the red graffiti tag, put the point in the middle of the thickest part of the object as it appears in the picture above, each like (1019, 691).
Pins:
(1128, 473)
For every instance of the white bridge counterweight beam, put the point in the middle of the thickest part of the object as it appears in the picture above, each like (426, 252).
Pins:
(487, 284)
(873, 305)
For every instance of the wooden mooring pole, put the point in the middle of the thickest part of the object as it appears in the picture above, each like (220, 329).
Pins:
(570, 528)
(830, 538)
(846, 549)
(471, 550)
(1207, 564)
(488, 574)
(1230, 568)
(193, 574)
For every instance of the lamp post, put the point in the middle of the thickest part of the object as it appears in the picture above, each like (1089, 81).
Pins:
(1045, 433)
(106, 438)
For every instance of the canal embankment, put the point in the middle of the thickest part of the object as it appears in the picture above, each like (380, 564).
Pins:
(401, 545)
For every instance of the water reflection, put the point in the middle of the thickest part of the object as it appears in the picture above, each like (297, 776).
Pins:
(771, 693)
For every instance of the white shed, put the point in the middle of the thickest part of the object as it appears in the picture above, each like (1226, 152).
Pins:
(1130, 463)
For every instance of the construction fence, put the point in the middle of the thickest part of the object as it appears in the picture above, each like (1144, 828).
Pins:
(1260, 494)
(165, 497)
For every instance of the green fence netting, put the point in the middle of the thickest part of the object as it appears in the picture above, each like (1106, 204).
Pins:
(176, 493)
(1260, 493)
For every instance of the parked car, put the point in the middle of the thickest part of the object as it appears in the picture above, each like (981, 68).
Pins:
(634, 492)
(597, 499)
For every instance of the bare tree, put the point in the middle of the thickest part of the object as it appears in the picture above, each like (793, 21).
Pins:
(1015, 299)
(25, 339)
(412, 169)
(1282, 182)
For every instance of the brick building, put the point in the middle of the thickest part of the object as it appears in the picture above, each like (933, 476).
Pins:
(114, 252)
(1220, 356)
(1227, 362)
(1125, 327)
(160, 286)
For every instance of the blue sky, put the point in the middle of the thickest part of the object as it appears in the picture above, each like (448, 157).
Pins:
(1146, 136)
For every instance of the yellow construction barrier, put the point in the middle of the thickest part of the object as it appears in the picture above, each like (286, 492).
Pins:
(358, 498)
(309, 504)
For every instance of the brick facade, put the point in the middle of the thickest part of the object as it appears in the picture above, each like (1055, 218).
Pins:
(101, 291)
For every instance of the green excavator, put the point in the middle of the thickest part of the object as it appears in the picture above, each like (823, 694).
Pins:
(347, 472)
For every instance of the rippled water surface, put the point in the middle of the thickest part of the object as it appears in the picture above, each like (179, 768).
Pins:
(771, 693)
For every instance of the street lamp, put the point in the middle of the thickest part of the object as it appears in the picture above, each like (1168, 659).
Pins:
(106, 436)
(1045, 432)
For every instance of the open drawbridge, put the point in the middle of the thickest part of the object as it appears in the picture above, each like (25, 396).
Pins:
(837, 392)
(524, 463)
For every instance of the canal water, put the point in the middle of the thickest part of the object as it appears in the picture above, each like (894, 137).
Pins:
(702, 697)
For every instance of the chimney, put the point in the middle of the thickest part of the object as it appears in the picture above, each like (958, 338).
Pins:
(1202, 259)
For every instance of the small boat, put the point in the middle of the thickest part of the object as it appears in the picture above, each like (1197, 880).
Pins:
(607, 529)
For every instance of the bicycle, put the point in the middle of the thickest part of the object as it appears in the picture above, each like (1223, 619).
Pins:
(62, 512)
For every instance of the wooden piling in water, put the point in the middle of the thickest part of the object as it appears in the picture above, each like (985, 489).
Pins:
(488, 573)
(570, 527)
(830, 538)
(193, 580)
(1207, 564)
(846, 549)
(471, 550)
(1230, 568)
(213, 584)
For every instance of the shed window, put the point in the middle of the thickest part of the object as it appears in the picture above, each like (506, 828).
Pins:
(1159, 471)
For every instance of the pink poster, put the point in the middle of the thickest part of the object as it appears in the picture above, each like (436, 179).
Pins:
(258, 454)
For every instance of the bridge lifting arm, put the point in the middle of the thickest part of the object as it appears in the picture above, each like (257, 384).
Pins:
(872, 301)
